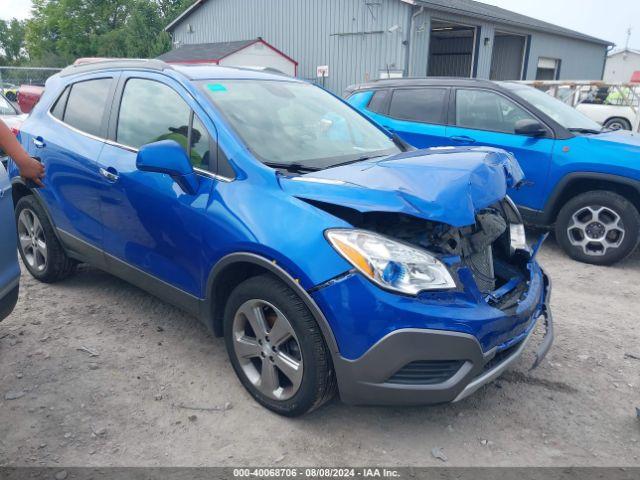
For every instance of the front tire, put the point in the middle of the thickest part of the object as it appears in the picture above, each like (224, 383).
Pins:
(38, 245)
(276, 347)
(598, 227)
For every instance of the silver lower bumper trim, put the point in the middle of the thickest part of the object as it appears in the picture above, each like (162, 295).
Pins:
(498, 370)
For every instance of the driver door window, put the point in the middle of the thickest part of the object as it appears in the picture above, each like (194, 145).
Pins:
(484, 110)
(151, 111)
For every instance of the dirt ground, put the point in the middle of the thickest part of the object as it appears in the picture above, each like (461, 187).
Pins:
(103, 371)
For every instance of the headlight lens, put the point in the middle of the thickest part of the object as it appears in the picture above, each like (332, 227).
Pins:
(391, 264)
(518, 237)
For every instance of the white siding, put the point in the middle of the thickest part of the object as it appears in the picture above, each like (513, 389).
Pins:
(621, 66)
(260, 55)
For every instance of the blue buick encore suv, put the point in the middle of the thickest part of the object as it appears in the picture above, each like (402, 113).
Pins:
(329, 254)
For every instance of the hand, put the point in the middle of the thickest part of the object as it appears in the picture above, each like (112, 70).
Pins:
(32, 170)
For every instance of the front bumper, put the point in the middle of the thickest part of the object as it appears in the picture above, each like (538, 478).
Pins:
(369, 378)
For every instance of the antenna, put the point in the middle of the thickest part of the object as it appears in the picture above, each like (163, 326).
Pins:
(626, 45)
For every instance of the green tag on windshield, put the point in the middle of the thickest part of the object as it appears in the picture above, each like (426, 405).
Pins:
(216, 87)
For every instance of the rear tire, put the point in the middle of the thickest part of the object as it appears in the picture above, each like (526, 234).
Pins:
(38, 245)
(598, 227)
(285, 365)
(617, 123)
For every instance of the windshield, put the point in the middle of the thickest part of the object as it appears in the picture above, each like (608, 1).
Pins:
(6, 108)
(562, 113)
(286, 123)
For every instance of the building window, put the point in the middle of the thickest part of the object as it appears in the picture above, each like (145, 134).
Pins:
(548, 69)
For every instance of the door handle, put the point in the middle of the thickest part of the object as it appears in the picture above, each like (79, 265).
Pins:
(463, 139)
(38, 142)
(110, 174)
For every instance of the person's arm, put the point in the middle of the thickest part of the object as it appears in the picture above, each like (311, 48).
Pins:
(29, 168)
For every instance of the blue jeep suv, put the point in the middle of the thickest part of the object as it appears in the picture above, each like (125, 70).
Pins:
(580, 178)
(329, 254)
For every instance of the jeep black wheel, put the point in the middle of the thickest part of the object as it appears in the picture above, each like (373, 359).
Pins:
(276, 347)
(39, 248)
(598, 227)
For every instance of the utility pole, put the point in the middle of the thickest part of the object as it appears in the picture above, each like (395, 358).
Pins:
(626, 45)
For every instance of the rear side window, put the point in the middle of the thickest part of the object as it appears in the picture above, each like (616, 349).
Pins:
(58, 108)
(378, 102)
(86, 105)
(427, 105)
(151, 111)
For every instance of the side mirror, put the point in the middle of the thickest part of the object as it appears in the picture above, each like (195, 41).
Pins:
(167, 156)
(530, 128)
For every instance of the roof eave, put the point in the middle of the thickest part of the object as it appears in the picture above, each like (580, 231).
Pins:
(184, 14)
(506, 21)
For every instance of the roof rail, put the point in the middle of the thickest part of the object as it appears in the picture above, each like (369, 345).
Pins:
(106, 64)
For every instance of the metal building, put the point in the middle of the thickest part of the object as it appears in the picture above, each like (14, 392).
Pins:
(361, 40)
(621, 65)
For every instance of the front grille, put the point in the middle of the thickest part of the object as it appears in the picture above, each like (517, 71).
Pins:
(426, 372)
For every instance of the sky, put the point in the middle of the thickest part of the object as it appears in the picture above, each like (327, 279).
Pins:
(592, 17)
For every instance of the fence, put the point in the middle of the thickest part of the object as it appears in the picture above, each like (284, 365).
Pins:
(25, 75)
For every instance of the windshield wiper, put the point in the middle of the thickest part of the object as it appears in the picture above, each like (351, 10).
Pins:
(585, 130)
(401, 144)
(292, 167)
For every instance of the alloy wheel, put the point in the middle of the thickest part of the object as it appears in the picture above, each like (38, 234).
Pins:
(596, 229)
(32, 240)
(267, 349)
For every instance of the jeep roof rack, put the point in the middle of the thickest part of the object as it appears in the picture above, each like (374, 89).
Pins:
(107, 64)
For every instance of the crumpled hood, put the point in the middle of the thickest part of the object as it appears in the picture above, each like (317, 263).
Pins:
(447, 185)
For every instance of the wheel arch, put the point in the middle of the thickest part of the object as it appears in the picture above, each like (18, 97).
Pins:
(235, 268)
(19, 189)
(576, 183)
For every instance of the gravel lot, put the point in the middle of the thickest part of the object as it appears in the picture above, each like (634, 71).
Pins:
(125, 405)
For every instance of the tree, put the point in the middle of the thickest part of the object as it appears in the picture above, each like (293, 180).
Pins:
(170, 9)
(12, 41)
(63, 30)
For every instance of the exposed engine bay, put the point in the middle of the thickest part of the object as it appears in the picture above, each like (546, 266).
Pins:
(485, 247)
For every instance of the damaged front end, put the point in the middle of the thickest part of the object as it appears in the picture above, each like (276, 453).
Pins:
(446, 344)
(444, 340)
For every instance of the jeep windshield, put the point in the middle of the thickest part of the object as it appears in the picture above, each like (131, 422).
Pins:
(568, 117)
(296, 126)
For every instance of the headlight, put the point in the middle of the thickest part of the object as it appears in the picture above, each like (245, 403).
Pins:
(391, 264)
(518, 237)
